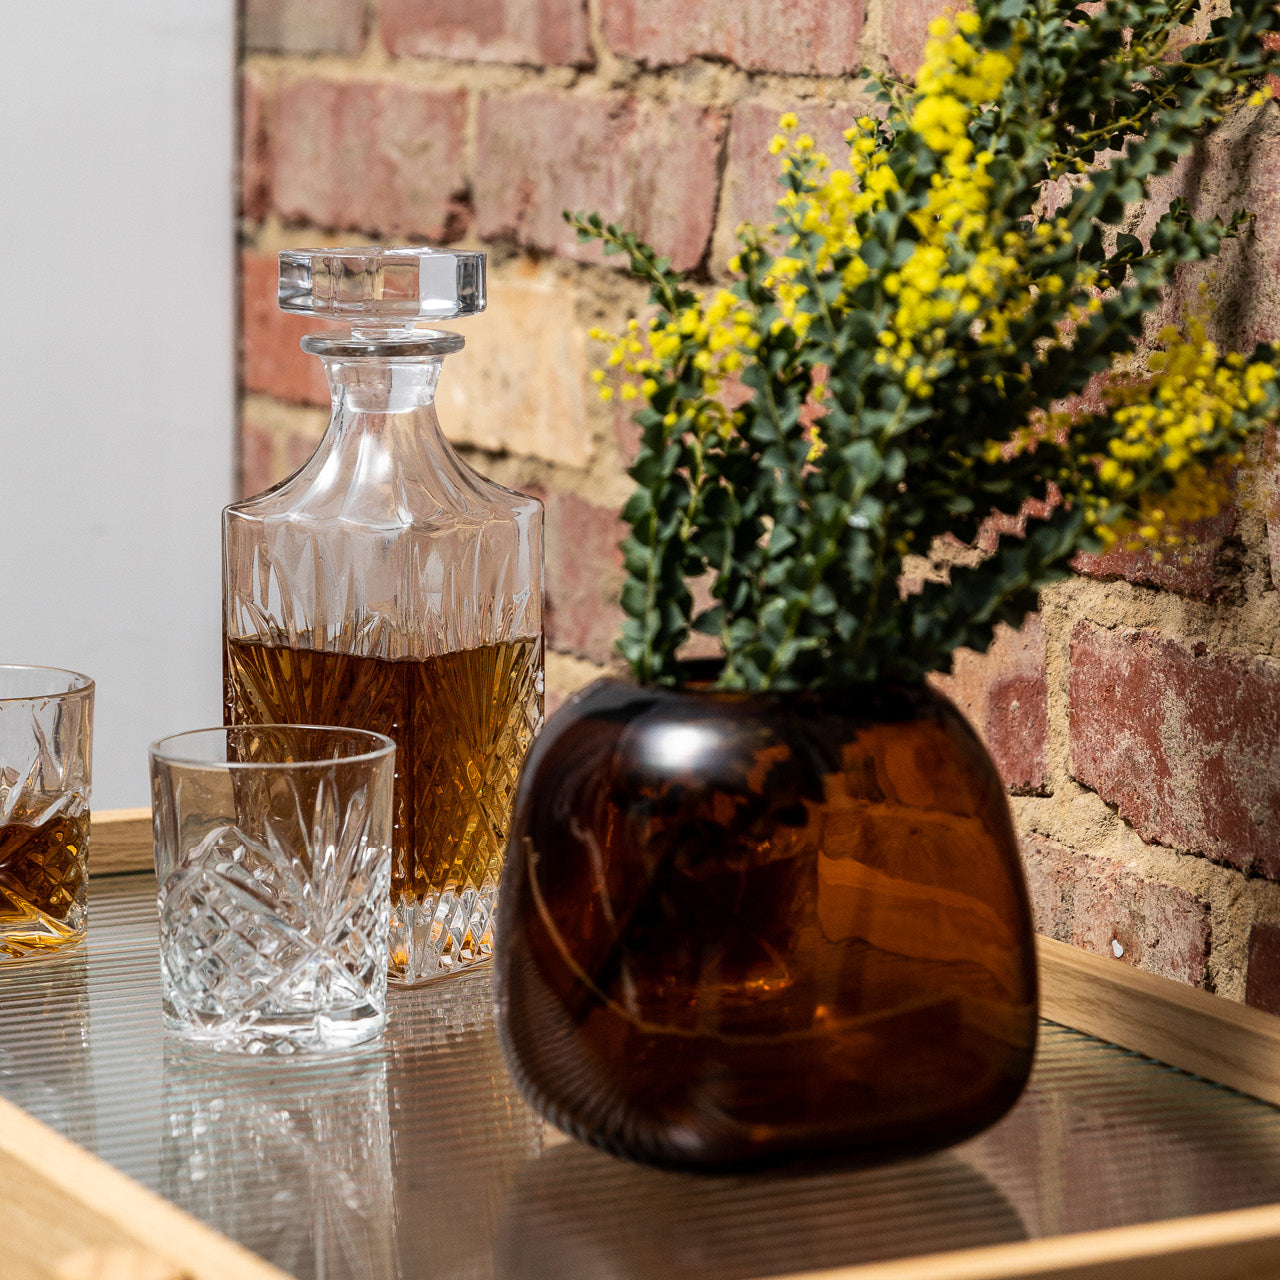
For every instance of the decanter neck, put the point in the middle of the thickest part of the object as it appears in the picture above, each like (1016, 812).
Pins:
(372, 386)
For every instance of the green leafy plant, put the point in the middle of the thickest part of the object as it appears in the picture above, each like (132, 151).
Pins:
(887, 368)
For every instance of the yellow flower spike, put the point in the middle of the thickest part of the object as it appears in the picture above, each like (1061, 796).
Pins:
(628, 391)
(787, 120)
(597, 375)
(606, 393)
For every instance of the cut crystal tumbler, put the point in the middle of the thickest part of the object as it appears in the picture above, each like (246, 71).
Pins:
(46, 748)
(273, 858)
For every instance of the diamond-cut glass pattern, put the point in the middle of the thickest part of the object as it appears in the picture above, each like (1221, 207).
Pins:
(274, 925)
(46, 727)
(387, 585)
(464, 766)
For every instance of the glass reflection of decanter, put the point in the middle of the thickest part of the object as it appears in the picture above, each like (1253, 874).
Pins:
(388, 586)
(462, 1135)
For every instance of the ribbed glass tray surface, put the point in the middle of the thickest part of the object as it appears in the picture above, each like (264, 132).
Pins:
(419, 1160)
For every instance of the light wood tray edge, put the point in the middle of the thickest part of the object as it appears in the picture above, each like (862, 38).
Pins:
(71, 1216)
(120, 840)
(1240, 1245)
(1226, 1042)
(1229, 1043)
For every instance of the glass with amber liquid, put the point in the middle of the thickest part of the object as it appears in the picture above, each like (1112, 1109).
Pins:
(46, 760)
(386, 585)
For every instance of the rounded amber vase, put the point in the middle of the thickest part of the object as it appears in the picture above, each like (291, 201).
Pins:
(739, 929)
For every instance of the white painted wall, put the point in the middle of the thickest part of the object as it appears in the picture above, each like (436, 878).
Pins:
(116, 359)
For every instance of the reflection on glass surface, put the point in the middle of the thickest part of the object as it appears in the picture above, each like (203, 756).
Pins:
(462, 1134)
(44, 1041)
(293, 1163)
(419, 1161)
(579, 1212)
(1107, 1138)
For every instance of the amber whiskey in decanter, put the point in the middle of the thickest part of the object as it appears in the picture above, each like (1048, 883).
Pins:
(387, 585)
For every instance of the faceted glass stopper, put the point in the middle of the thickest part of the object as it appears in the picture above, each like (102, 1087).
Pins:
(380, 289)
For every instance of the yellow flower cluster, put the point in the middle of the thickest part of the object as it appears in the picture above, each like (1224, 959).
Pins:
(1194, 398)
(959, 278)
(710, 337)
(957, 273)
(965, 276)
(954, 76)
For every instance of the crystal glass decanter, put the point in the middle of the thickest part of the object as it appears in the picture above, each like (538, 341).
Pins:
(386, 585)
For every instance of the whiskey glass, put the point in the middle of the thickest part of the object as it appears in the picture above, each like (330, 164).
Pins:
(46, 761)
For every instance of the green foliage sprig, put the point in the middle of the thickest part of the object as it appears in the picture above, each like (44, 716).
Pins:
(888, 365)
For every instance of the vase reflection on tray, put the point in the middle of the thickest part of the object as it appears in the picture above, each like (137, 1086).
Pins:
(578, 1213)
(742, 929)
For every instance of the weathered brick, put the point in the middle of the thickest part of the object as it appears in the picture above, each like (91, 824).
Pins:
(1272, 41)
(750, 185)
(906, 29)
(758, 35)
(1237, 167)
(1270, 496)
(258, 469)
(651, 167)
(521, 384)
(377, 157)
(1262, 982)
(1205, 567)
(1114, 910)
(271, 361)
(1182, 739)
(304, 26)
(1005, 695)
(1051, 870)
(1151, 925)
(271, 448)
(1273, 545)
(546, 33)
(255, 142)
(584, 575)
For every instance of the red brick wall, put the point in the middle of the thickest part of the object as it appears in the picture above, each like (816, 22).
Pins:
(1136, 718)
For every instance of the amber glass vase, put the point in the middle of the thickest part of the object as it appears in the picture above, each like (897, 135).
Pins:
(738, 929)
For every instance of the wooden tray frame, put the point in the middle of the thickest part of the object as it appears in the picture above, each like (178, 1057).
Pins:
(71, 1216)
